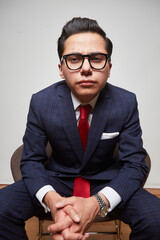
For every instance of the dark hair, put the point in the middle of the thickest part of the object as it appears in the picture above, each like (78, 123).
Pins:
(79, 25)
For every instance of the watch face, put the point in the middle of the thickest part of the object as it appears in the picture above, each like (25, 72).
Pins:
(104, 211)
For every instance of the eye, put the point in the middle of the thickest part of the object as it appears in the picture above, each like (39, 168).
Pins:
(97, 58)
(74, 58)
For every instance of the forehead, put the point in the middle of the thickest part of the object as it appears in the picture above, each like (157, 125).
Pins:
(85, 43)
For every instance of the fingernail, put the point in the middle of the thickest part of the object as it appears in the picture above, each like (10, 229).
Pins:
(48, 229)
(76, 218)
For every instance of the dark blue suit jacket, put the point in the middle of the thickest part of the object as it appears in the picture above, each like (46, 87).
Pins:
(52, 118)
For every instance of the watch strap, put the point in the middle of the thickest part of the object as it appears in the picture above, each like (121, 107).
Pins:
(101, 202)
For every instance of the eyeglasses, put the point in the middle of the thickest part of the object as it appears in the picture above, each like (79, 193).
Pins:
(74, 61)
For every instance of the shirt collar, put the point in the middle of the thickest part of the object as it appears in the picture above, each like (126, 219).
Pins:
(77, 102)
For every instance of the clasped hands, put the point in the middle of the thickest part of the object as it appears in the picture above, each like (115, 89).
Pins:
(72, 216)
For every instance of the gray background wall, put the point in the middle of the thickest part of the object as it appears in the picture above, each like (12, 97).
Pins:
(28, 62)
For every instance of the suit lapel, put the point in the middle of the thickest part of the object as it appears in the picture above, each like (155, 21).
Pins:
(69, 121)
(99, 120)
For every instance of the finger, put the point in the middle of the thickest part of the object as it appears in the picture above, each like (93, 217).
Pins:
(86, 235)
(65, 201)
(69, 210)
(68, 235)
(57, 237)
(60, 225)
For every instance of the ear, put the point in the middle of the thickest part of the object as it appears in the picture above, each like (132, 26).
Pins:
(60, 71)
(110, 66)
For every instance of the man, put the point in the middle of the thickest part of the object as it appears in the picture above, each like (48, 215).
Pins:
(77, 161)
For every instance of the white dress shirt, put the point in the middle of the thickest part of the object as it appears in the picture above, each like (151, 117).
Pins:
(113, 197)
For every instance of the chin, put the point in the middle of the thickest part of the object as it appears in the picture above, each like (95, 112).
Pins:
(87, 96)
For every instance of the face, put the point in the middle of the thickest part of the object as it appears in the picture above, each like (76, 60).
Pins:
(86, 82)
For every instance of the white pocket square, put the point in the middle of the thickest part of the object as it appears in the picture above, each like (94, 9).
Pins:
(109, 135)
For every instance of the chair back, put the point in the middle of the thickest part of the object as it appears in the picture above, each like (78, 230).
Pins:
(16, 159)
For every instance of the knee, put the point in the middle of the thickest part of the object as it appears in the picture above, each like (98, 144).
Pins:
(4, 209)
(7, 206)
(151, 221)
(143, 215)
(153, 224)
(145, 221)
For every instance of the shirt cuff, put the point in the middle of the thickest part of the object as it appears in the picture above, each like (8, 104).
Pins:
(113, 197)
(41, 193)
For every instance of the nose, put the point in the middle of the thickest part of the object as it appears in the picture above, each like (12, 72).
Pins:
(86, 67)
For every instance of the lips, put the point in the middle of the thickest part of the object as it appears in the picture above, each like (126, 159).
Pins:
(86, 83)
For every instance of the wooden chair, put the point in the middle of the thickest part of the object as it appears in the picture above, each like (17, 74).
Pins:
(16, 173)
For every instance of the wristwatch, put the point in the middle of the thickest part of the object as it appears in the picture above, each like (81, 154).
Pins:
(103, 206)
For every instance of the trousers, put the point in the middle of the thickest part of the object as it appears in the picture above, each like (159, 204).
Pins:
(141, 213)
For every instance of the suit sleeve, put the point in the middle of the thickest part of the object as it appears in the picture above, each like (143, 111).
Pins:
(34, 151)
(133, 170)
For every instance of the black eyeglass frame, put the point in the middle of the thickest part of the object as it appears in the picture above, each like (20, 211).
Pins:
(83, 57)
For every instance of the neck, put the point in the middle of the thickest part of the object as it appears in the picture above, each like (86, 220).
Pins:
(77, 101)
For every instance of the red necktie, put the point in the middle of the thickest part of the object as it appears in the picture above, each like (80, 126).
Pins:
(81, 185)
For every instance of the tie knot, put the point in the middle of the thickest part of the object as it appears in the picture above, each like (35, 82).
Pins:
(84, 111)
